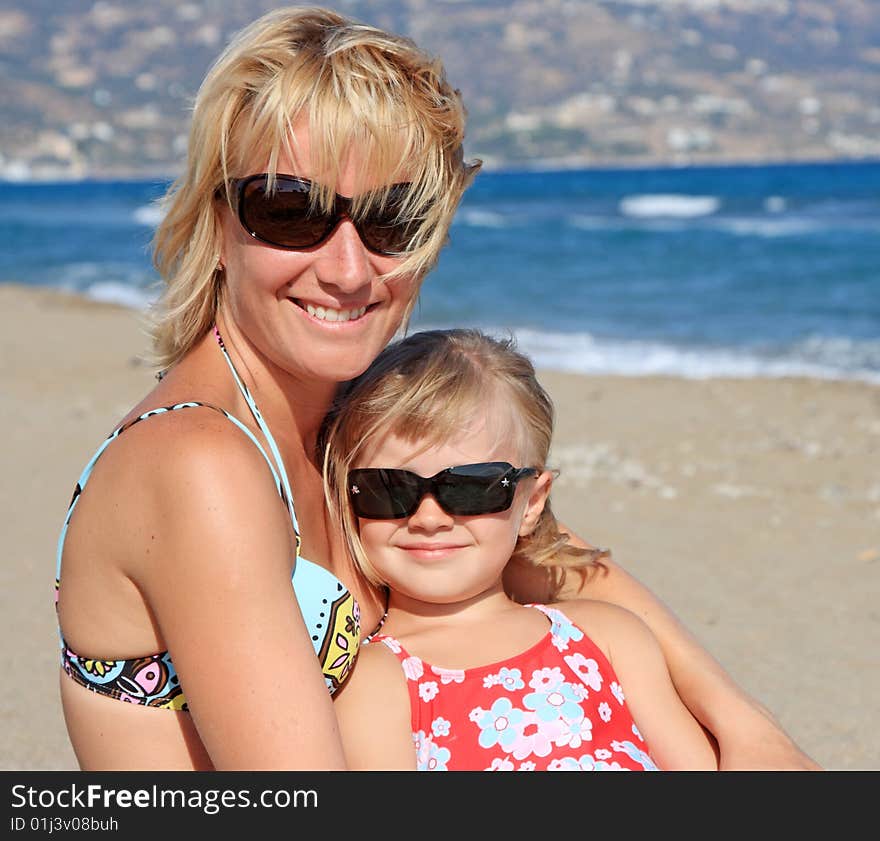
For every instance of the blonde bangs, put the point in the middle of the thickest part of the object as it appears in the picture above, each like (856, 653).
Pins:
(360, 96)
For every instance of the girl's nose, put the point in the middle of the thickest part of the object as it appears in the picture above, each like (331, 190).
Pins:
(429, 516)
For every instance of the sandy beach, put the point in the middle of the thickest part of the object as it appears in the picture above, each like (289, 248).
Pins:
(751, 507)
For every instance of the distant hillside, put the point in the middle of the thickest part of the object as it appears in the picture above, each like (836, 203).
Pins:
(103, 88)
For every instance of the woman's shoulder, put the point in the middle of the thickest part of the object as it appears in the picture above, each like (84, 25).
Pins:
(179, 434)
(172, 467)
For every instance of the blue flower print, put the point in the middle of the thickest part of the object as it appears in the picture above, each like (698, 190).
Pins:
(440, 727)
(498, 725)
(567, 763)
(560, 702)
(562, 630)
(583, 763)
(510, 679)
(635, 753)
(436, 758)
(429, 757)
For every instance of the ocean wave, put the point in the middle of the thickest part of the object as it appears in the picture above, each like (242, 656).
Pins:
(768, 225)
(816, 357)
(128, 284)
(775, 204)
(674, 205)
(595, 223)
(769, 228)
(149, 214)
(651, 225)
(481, 218)
(120, 293)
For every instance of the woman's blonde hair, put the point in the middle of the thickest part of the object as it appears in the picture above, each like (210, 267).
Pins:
(357, 86)
(427, 388)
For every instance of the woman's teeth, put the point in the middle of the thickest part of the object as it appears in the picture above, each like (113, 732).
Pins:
(327, 314)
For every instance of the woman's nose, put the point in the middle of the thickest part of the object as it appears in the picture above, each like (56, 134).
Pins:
(343, 259)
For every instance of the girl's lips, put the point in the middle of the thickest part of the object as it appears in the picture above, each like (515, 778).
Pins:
(431, 550)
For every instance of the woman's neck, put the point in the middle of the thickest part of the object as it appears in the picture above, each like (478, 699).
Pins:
(293, 408)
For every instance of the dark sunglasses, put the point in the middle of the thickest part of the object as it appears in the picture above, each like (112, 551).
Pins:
(379, 493)
(284, 216)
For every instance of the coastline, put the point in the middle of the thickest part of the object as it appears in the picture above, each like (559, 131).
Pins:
(13, 177)
(749, 506)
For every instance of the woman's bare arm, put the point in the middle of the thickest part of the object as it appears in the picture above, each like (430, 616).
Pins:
(747, 734)
(217, 556)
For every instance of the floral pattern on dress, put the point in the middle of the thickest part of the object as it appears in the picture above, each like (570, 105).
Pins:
(556, 707)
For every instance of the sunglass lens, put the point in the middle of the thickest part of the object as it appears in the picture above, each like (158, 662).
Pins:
(281, 216)
(385, 229)
(474, 489)
(383, 494)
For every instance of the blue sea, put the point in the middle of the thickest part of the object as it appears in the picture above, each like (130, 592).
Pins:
(744, 271)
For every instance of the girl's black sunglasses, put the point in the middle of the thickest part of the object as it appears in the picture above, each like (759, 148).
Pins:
(379, 493)
(283, 216)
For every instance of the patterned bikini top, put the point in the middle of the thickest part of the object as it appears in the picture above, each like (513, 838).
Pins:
(331, 614)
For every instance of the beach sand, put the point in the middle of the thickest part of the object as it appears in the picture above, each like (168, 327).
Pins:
(751, 507)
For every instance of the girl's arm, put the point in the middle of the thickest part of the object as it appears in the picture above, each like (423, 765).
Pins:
(675, 739)
(746, 732)
(374, 714)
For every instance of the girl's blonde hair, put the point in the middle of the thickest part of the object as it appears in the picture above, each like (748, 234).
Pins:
(357, 87)
(426, 388)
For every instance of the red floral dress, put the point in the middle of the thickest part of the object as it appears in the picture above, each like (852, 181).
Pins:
(556, 707)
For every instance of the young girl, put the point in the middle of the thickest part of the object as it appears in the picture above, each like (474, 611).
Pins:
(436, 467)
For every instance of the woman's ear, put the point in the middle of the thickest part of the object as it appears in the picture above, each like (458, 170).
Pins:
(535, 505)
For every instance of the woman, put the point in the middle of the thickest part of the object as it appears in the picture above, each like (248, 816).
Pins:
(325, 165)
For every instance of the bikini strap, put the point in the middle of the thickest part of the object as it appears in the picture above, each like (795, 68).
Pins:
(264, 428)
(87, 471)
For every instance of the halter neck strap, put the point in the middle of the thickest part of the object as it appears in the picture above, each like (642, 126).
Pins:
(264, 428)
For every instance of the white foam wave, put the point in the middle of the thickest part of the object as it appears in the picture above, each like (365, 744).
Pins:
(121, 294)
(775, 204)
(149, 214)
(768, 228)
(130, 285)
(672, 205)
(819, 358)
(593, 223)
(481, 218)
